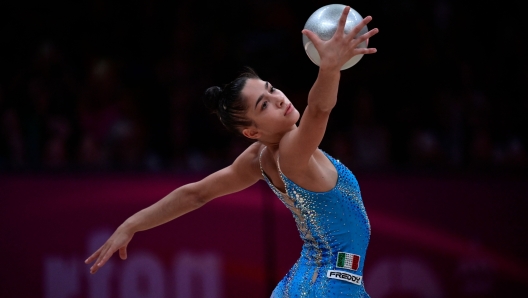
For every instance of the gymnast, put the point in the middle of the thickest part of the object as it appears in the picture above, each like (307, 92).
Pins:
(321, 193)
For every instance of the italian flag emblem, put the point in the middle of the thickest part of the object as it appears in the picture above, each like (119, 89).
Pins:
(347, 261)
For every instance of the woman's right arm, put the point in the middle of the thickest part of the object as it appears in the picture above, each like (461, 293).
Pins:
(243, 173)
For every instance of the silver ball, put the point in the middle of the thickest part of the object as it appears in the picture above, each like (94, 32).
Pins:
(324, 22)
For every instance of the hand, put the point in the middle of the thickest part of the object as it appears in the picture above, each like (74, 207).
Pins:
(336, 51)
(118, 241)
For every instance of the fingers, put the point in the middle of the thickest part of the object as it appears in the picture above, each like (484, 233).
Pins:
(123, 253)
(100, 256)
(118, 241)
(358, 27)
(342, 21)
(312, 37)
(103, 258)
(365, 51)
(365, 37)
(93, 256)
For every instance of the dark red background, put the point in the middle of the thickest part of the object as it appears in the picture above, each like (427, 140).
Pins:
(468, 233)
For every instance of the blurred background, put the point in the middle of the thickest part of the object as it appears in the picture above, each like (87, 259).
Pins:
(101, 115)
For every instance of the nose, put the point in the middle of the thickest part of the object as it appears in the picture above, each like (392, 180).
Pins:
(279, 101)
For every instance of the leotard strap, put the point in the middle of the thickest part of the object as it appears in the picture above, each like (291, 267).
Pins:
(260, 161)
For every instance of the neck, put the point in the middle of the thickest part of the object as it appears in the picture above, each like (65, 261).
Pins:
(271, 146)
(273, 141)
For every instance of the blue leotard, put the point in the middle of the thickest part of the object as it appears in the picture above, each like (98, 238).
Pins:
(335, 229)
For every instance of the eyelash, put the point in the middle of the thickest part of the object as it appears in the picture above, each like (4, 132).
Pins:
(265, 104)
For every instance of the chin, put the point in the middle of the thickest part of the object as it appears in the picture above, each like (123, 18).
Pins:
(297, 116)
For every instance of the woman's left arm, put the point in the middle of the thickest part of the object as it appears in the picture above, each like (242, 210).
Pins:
(299, 145)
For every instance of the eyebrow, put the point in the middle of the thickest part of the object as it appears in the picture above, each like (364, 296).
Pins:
(262, 95)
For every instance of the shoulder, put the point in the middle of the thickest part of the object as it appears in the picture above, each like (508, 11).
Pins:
(292, 156)
(248, 160)
(251, 153)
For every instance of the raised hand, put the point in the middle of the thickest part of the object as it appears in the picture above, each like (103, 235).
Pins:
(336, 51)
(118, 241)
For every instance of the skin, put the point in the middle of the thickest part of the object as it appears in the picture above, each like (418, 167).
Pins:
(275, 131)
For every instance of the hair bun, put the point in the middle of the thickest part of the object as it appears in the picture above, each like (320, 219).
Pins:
(212, 98)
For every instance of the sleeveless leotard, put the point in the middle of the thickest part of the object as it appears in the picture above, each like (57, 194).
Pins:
(335, 229)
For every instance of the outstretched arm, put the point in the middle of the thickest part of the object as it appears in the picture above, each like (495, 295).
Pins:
(300, 144)
(243, 173)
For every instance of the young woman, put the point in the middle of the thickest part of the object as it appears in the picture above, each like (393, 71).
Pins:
(322, 194)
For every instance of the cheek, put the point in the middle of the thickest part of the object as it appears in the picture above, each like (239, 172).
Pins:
(269, 122)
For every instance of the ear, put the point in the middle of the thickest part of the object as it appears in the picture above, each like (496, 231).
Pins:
(251, 133)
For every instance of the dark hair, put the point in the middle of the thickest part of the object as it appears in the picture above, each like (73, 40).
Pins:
(227, 103)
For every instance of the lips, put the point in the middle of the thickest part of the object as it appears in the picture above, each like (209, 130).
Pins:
(288, 109)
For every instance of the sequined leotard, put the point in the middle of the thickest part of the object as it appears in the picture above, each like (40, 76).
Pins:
(335, 230)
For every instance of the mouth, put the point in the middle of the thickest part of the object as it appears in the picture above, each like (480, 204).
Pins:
(288, 109)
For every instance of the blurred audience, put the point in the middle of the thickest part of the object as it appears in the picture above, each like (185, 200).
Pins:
(113, 88)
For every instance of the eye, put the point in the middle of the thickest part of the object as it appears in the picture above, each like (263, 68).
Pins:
(264, 105)
(272, 89)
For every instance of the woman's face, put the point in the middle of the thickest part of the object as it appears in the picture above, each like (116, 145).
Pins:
(270, 110)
